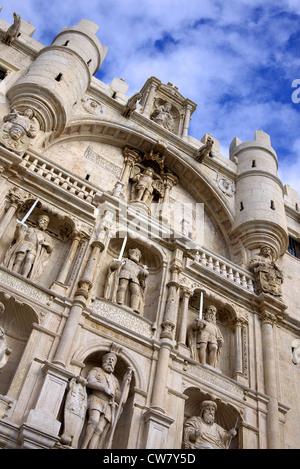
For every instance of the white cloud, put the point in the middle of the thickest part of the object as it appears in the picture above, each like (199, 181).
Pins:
(215, 55)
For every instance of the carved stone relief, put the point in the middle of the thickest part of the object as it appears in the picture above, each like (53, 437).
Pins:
(18, 129)
(268, 276)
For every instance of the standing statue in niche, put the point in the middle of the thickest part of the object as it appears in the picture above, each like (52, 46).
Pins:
(205, 338)
(105, 402)
(30, 250)
(203, 433)
(268, 276)
(162, 116)
(143, 185)
(18, 129)
(5, 351)
(127, 278)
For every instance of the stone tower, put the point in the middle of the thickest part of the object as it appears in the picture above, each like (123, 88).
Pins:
(71, 61)
(260, 214)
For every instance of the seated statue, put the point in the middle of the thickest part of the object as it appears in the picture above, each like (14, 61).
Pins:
(203, 433)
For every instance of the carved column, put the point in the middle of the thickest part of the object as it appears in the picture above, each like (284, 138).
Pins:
(238, 347)
(62, 276)
(273, 430)
(16, 199)
(79, 303)
(167, 334)
(131, 157)
(186, 122)
(169, 181)
(149, 100)
(186, 294)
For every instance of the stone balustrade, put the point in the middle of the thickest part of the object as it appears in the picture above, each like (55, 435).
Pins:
(225, 269)
(54, 174)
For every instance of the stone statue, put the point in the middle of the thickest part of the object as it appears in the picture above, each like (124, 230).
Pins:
(146, 183)
(162, 116)
(205, 150)
(132, 104)
(105, 402)
(18, 129)
(127, 277)
(203, 433)
(268, 276)
(5, 351)
(205, 339)
(296, 351)
(13, 30)
(143, 185)
(74, 412)
(30, 249)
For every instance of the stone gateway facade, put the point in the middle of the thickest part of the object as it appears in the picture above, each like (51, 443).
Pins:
(149, 286)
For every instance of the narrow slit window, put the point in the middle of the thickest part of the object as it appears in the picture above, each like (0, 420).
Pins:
(87, 177)
(59, 77)
(253, 163)
(272, 205)
(241, 206)
(66, 43)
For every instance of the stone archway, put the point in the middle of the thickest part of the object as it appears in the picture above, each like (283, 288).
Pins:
(17, 323)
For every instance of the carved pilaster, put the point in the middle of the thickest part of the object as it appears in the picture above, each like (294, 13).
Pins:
(186, 294)
(131, 157)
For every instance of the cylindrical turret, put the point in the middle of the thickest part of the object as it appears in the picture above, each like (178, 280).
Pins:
(59, 76)
(260, 215)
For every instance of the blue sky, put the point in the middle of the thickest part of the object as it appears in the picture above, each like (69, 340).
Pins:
(236, 59)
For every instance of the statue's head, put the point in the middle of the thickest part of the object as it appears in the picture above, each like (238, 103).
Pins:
(109, 361)
(43, 221)
(28, 113)
(149, 172)
(266, 251)
(135, 254)
(207, 411)
(210, 313)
